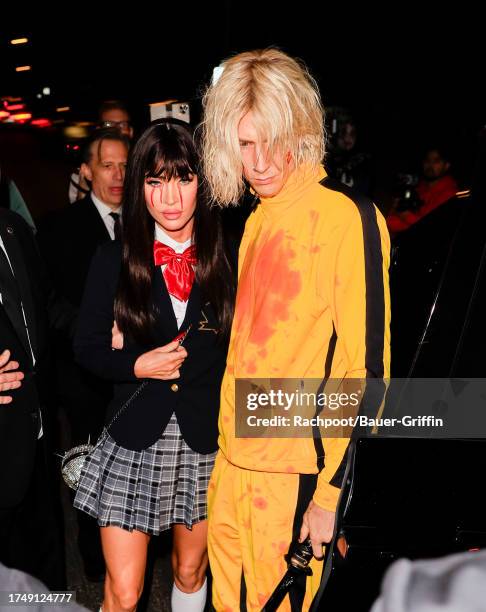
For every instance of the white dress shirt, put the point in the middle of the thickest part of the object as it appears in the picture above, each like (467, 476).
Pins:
(105, 211)
(179, 247)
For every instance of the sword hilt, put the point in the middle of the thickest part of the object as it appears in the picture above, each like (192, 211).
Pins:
(300, 555)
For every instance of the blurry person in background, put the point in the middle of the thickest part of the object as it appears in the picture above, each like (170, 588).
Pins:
(114, 114)
(68, 240)
(31, 537)
(111, 114)
(11, 198)
(345, 160)
(436, 187)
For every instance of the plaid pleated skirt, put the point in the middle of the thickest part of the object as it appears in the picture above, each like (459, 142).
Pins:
(148, 490)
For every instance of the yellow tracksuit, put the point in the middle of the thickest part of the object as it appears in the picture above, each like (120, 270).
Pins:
(312, 302)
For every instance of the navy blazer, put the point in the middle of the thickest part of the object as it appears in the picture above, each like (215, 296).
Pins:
(194, 397)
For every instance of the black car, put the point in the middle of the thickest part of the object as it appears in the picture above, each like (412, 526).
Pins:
(419, 497)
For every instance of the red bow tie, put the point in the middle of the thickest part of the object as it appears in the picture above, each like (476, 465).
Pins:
(178, 273)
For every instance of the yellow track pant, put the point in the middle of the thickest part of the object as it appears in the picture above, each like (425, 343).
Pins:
(252, 516)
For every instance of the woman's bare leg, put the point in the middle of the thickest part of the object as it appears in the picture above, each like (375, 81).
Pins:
(189, 564)
(125, 555)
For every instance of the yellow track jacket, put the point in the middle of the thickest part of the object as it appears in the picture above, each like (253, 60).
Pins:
(312, 302)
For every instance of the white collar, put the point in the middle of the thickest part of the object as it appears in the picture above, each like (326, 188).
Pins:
(103, 208)
(161, 236)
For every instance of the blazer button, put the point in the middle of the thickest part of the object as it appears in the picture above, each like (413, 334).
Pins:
(174, 387)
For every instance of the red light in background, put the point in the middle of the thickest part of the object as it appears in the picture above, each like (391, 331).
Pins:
(14, 107)
(4, 114)
(42, 123)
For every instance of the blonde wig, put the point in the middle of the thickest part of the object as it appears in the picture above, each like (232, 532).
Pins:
(287, 112)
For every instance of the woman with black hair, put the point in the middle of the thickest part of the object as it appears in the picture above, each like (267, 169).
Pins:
(170, 277)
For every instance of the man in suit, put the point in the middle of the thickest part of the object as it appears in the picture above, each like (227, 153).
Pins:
(68, 241)
(111, 114)
(78, 230)
(30, 521)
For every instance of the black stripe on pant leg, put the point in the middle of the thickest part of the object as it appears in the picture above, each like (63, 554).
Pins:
(242, 593)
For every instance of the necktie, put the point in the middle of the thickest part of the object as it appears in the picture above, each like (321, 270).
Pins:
(117, 227)
(11, 300)
(178, 274)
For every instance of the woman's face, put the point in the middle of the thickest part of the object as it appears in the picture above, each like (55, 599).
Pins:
(172, 204)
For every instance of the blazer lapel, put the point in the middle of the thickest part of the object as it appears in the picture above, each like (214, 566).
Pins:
(10, 339)
(15, 255)
(166, 320)
(193, 307)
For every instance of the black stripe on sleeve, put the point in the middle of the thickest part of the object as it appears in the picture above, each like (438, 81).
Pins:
(375, 291)
(375, 304)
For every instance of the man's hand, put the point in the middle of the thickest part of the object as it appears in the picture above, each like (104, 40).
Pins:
(116, 338)
(9, 379)
(162, 363)
(318, 524)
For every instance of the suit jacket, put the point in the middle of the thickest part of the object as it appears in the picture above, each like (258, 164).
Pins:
(19, 420)
(68, 240)
(194, 397)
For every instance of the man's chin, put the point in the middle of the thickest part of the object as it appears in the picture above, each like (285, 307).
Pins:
(266, 191)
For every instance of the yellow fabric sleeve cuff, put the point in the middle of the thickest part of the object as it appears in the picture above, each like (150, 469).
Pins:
(326, 495)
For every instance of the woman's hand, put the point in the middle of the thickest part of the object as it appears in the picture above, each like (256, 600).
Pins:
(162, 363)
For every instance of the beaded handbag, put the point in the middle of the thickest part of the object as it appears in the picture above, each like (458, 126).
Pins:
(73, 460)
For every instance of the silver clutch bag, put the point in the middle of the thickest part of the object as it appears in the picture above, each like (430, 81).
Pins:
(72, 462)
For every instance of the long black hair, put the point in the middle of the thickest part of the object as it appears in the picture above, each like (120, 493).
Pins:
(167, 149)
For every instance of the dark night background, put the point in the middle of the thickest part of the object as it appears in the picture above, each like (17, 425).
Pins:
(408, 77)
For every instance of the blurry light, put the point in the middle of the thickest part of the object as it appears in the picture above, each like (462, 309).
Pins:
(75, 132)
(63, 109)
(41, 123)
(4, 114)
(22, 117)
(19, 41)
(12, 107)
(46, 91)
(39, 95)
(23, 68)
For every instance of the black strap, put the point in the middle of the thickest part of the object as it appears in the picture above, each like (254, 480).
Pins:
(127, 403)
